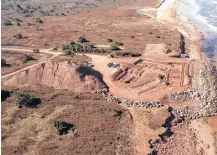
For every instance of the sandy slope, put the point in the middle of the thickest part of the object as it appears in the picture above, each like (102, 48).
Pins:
(171, 15)
(48, 51)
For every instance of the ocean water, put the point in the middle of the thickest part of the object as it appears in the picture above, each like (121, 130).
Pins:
(203, 14)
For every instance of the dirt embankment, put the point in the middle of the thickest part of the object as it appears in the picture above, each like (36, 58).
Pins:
(60, 75)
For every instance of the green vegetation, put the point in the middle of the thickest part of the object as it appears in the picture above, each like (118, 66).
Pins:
(72, 48)
(19, 7)
(26, 100)
(18, 20)
(168, 51)
(127, 54)
(82, 40)
(4, 63)
(114, 48)
(18, 23)
(18, 36)
(64, 127)
(38, 20)
(36, 50)
(109, 40)
(27, 58)
(118, 113)
(4, 95)
(7, 23)
(119, 43)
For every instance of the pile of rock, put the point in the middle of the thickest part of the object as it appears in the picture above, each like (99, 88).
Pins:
(206, 83)
(194, 114)
(128, 103)
(145, 104)
(185, 96)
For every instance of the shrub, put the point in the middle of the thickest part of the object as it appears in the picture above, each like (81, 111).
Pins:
(128, 54)
(114, 48)
(7, 23)
(69, 52)
(4, 63)
(72, 48)
(82, 40)
(158, 37)
(27, 100)
(38, 20)
(119, 43)
(109, 40)
(36, 50)
(132, 37)
(4, 95)
(64, 127)
(18, 23)
(27, 58)
(18, 36)
(118, 113)
(18, 20)
(19, 7)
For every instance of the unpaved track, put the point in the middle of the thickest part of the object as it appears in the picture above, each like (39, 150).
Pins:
(47, 51)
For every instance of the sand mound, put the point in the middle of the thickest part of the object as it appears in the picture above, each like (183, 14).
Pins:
(60, 75)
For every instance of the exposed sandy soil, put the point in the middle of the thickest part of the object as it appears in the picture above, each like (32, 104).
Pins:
(148, 125)
(14, 60)
(154, 64)
(31, 131)
(118, 24)
(212, 121)
(205, 137)
(182, 142)
(60, 75)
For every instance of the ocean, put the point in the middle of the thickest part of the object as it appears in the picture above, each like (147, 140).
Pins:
(203, 14)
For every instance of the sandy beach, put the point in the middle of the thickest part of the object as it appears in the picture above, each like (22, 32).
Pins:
(171, 15)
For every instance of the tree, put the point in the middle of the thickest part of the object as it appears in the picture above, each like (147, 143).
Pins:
(26, 100)
(5, 94)
(38, 20)
(18, 23)
(64, 127)
(114, 48)
(82, 40)
(18, 36)
(36, 50)
(7, 23)
(19, 7)
(4, 63)
(119, 43)
(109, 40)
(27, 58)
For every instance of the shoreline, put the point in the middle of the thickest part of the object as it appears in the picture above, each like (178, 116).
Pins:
(172, 15)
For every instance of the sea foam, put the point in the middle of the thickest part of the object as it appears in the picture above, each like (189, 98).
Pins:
(203, 14)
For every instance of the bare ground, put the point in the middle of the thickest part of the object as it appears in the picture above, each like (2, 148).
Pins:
(100, 132)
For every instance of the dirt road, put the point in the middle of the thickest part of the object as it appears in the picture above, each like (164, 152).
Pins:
(47, 51)
(118, 89)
